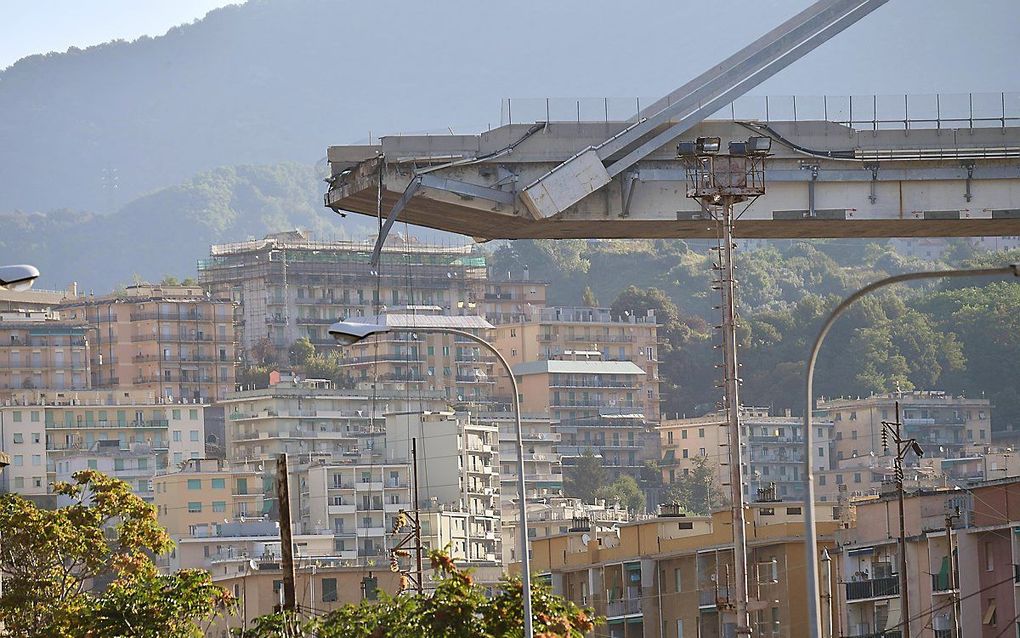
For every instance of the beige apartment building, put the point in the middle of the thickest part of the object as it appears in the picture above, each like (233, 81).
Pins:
(459, 369)
(543, 471)
(289, 286)
(944, 425)
(40, 429)
(668, 576)
(511, 300)
(595, 405)
(550, 515)
(773, 452)
(561, 332)
(192, 500)
(175, 342)
(34, 300)
(39, 350)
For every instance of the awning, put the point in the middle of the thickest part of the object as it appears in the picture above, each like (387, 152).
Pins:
(989, 614)
(860, 550)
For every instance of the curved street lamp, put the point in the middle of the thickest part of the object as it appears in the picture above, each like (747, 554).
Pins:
(349, 332)
(811, 539)
(19, 277)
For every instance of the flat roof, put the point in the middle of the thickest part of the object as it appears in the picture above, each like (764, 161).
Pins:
(559, 366)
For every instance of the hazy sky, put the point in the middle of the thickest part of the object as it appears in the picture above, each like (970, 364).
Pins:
(41, 26)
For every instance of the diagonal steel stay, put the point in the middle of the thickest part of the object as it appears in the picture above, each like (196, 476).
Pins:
(572, 180)
(409, 192)
(748, 61)
(697, 115)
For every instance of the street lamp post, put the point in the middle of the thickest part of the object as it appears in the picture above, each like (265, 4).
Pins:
(811, 539)
(348, 333)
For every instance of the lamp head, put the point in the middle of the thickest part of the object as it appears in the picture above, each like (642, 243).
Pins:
(348, 333)
(18, 277)
(918, 450)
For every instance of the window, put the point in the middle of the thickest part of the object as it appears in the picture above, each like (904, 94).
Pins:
(219, 484)
(19, 437)
(193, 412)
(990, 615)
(679, 629)
(177, 436)
(701, 433)
(989, 557)
(194, 436)
(329, 590)
(685, 453)
(194, 507)
(194, 484)
(177, 415)
(821, 479)
(143, 464)
(93, 464)
(36, 438)
(17, 416)
(857, 479)
(219, 506)
(678, 580)
(683, 434)
(118, 464)
(37, 459)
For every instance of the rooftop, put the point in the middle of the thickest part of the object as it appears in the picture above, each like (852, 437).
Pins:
(559, 366)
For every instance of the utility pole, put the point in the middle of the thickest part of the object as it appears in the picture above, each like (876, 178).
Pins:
(826, 594)
(953, 580)
(415, 534)
(286, 534)
(718, 182)
(902, 447)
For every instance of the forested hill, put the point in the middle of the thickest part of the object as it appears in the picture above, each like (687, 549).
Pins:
(164, 233)
(961, 337)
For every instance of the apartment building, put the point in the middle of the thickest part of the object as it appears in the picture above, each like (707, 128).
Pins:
(543, 470)
(944, 425)
(315, 422)
(172, 341)
(596, 406)
(39, 350)
(136, 464)
(553, 514)
(34, 300)
(192, 500)
(458, 471)
(511, 300)
(561, 332)
(669, 576)
(773, 449)
(461, 370)
(289, 286)
(356, 504)
(40, 429)
(960, 547)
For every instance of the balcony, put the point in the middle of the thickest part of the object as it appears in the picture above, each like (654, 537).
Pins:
(942, 583)
(393, 508)
(874, 588)
(626, 607)
(346, 508)
(710, 596)
(371, 531)
(372, 486)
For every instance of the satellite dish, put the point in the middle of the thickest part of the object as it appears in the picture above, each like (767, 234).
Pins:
(585, 538)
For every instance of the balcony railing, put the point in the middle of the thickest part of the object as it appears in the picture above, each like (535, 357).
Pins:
(625, 607)
(874, 588)
(942, 582)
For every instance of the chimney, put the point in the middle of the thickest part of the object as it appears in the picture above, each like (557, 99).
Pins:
(72, 290)
(527, 273)
(789, 412)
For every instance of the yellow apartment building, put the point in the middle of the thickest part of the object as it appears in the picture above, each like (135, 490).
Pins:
(39, 350)
(668, 577)
(193, 499)
(173, 341)
(559, 332)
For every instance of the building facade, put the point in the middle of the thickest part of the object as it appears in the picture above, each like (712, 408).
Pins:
(288, 286)
(39, 350)
(173, 342)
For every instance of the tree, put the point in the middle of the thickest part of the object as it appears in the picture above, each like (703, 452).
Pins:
(301, 351)
(585, 478)
(169, 280)
(264, 353)
(626, 490)
(588, 298)
(696, 491)
(52, 558)
(457, 608)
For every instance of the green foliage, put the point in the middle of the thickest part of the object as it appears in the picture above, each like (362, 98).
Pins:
(51, 558)
(301, 351)
(457, 608)
(624, 489)
(697, 492)
(586, 477)
(588, 298)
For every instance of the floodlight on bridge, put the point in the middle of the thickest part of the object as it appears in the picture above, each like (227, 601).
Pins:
(708, 145)
(756, 145)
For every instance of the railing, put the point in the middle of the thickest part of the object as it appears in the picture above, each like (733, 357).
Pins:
(874, 588)
(863, 112)
(942, 582)
(625, 607)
